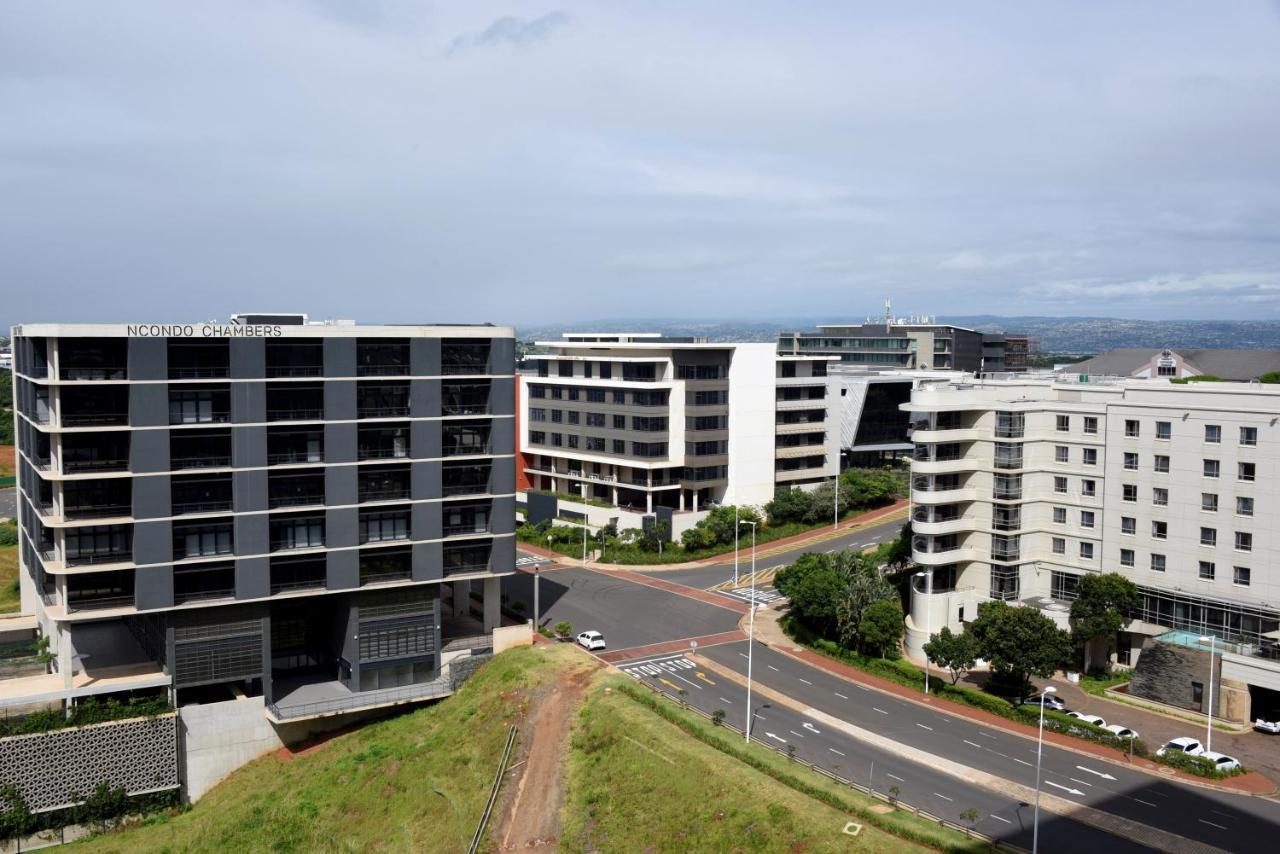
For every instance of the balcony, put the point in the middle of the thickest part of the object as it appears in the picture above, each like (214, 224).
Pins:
(99, 603)
(464, 398)
(295, 402)
(91, 511)
(295, 414)
(299, 357)
(294, 457)
(220, 505)
(382, 358)
(201, 461)
(93, 359)
(461, 356)
(296, 499)
(290, 574)
(394, 494)
(199, 359)
(384, 566)
(98, 558)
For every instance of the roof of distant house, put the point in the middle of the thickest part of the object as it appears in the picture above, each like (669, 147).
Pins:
(1239, 365)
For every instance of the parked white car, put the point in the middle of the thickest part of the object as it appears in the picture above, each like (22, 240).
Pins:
(1222, 761)
(1050, 702)
(1121, 731)
(591, 640)
(1186, 745)
(1263, 725)
(1089, 719)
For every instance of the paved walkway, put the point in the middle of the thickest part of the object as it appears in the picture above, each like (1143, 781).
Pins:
(716, 599)
(768, 631)
(666, 647)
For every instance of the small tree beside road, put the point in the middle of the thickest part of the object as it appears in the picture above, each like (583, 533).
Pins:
(1101, 609)
(1019, 643)
(956, 652)
(881, 627)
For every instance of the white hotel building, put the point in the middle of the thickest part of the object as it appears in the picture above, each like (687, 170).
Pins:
(1022, 486)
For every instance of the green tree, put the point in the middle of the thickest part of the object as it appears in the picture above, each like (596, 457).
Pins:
(1270, 378)
(822, 502)
(788, 505)
(862, 585)
(897, 553)
(870, 487)
(1019, 643)
(881, 627)
(16, 818)
(957, 652)
(813, 587)
(1101, 608)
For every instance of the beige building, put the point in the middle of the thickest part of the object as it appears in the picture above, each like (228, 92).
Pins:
(1020, 487)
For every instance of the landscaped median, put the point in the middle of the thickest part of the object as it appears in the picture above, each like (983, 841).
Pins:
(906, 680)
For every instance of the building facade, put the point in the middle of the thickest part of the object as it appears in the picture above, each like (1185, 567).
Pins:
(1181, 363)
(644, 422)
(317, 513)
(911, 343)
(1020, 487)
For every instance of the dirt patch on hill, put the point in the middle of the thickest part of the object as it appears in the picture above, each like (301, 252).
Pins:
(528, 814)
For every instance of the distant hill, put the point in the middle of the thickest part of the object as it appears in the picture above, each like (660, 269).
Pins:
(1083, 335)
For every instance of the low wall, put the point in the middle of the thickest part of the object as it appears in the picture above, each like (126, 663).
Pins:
(1164, 673)
(507, 637)
(139, 754)
(600, 516)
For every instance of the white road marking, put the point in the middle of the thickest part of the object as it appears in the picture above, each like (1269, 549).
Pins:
(1063, 788)
(1016, 759)
(896, 777)
(771, 667)
(881, 711)
(1211, 824)
(998, 818)
(946, 720)
(1141, 801)
(944, 797)
(1101, 774)
(682, 679)
(841, 696)
(811, 728)
(836, 752)
(723, 700)
(776, 737)
(863, 687)
(973, 744)
(1081, 782)
(987, 734)
(806, 681)
(796, 734)
(743, 654)
(922, 726)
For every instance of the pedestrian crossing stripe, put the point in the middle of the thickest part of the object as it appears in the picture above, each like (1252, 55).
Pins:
(762, 576)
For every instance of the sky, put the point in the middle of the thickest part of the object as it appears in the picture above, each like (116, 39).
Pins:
(527, 162)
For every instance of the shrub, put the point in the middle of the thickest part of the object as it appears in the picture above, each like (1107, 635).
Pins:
(1197, 765)
(8, 535)
(563, 629)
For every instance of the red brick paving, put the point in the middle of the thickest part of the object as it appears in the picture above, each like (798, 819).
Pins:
(703, 596)
(665, 647)
(1251, 783)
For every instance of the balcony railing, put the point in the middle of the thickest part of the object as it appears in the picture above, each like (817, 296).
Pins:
(301, 584)
(91, 511)
(457, 530)
(1007, 493)
(295, 457)
(295, 370)
(455, 368)
(460, 568)
(1009, 432)
(382, 453)
(202, 595)
(384, 494)
(203, 461)
(465, 408)
(94, 373)
(383, 370)
(466, 450)
(94, 419)
(295, 500)
(94, 558)
(1008, 462)
(464, 489)
(217, 416)
(99, 603)
(384, 577)
(183, 507)
(383, 411)
(294, 414)
(199, 372)
(71, 466)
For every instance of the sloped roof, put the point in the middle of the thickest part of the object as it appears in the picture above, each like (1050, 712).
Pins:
(1240, 365)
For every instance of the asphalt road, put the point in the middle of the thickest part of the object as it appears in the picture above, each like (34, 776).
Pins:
(709, 576)
(9, 502)
(780, 727)
(632, 615)
(592, 600)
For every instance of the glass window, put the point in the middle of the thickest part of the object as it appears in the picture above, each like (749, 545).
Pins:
(1208, 536)
(1159, 530)
(595, 395)
(1244, 541)
(619, 397)
(1131, 461)
(1240, 576)
(1207, 570)
(1086, 519)
(1249, 436)
(1061, 454)
(1086, 551)
(1126, 557)
(1157, 563)
(1244, 506)
(619, 422)
(1247, 471)
(1209, 502)
(1060, 515)
(1213, 433)
(1128, 525)
(1162, 464)
(1131, 429)
(557, 416)
(1160, 496)
(1211, 468)
(1059, 484)
(573, 440)
(1129, 492)
(1064, 423)
(1088, 488)
(1164, 429)
(619, 446)
(573, 417)
(1091, 425)
(1059, 546)
(1089, 456)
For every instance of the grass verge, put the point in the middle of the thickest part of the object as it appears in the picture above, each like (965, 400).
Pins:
(630, 773)
(10, 600)
(415, 782)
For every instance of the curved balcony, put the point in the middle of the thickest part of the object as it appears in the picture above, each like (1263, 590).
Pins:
(958, 525)
(959, 554)
(944, 496)
(924, 436)
(951, 466)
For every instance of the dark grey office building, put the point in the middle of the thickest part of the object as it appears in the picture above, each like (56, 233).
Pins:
(314, 512)
(901, 344)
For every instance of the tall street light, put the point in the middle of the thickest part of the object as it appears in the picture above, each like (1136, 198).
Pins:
(1035, 825)
(736, 525)
(927, 575)
(751, 624)
(1211, 640)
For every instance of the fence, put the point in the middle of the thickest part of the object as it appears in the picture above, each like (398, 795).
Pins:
(998, 844)
(493, 792)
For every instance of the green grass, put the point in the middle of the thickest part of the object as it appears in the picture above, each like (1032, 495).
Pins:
(635, 775)
(1097, 684)
(9, 598)
(417, 782)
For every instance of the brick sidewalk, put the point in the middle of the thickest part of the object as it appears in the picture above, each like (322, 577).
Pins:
(665, 647)
(704, 596)
(770, 633)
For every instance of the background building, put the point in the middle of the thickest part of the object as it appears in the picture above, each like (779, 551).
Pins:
(910, 343)
(313, 514)
(1238, 365)
(1021, 487)
(645, 422)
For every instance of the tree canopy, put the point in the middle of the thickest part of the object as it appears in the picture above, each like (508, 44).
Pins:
(831, 594)
(957, 652)
(1019, 643)
(1103, 605)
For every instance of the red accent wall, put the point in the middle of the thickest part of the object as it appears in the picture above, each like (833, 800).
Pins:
(522, 479)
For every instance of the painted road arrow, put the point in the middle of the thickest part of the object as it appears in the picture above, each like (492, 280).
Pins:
(704, 678)
(673, 686)
(1099, 773)
(1063, 788)
(811, 727)
(776, 737)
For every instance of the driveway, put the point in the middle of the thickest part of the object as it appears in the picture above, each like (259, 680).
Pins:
(8, 502)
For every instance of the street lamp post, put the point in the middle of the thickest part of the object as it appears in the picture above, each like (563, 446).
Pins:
(1208, 734)
(736, 525)
(835, 515)
(1035, 824)
(751, 624)
(927, 575)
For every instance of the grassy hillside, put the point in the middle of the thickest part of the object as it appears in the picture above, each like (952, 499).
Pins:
(9, 599)
(417, 782)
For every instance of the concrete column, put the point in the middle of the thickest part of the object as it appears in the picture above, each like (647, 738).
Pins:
(682, 500)
(65, 649)
(492, 603)
(695, 501)
(461, 598)
(648, 502)
(615, 496)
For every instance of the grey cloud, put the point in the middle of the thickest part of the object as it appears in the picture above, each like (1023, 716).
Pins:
(513, 31)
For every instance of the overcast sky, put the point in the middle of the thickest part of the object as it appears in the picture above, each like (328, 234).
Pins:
(517, 162)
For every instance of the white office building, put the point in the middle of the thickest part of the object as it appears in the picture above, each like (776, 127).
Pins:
(1020, 487)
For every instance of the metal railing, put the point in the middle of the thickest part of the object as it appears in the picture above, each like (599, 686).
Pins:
(114, 372)
(199, 373)
(481, 408)
(457, 530)
(91, 511)
(294, 414)
(70, 465)
(200, 596)
(382, 454)
(291, 457)
(302, 584)
(383, 411)
(99, 603)
(460, 568)
(222, 416)
(384, 577)
(383, 494)
(458, 368)
(90, 419)
(295, 370)
(466, 450)
(383, 370)
(181, 507)
(94, 558)
(465, 489)
(295, 500)
(204, 461)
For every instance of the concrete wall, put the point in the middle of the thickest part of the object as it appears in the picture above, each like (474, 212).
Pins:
(507, 637)
(1164, 673)
(752, 424)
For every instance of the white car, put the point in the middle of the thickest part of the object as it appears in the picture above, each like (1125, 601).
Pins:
(1186, 745)
(1121, 731)
(1272, 727)
(1221, 761)
(1051, 702)
(1089, 719)
(591, 640)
